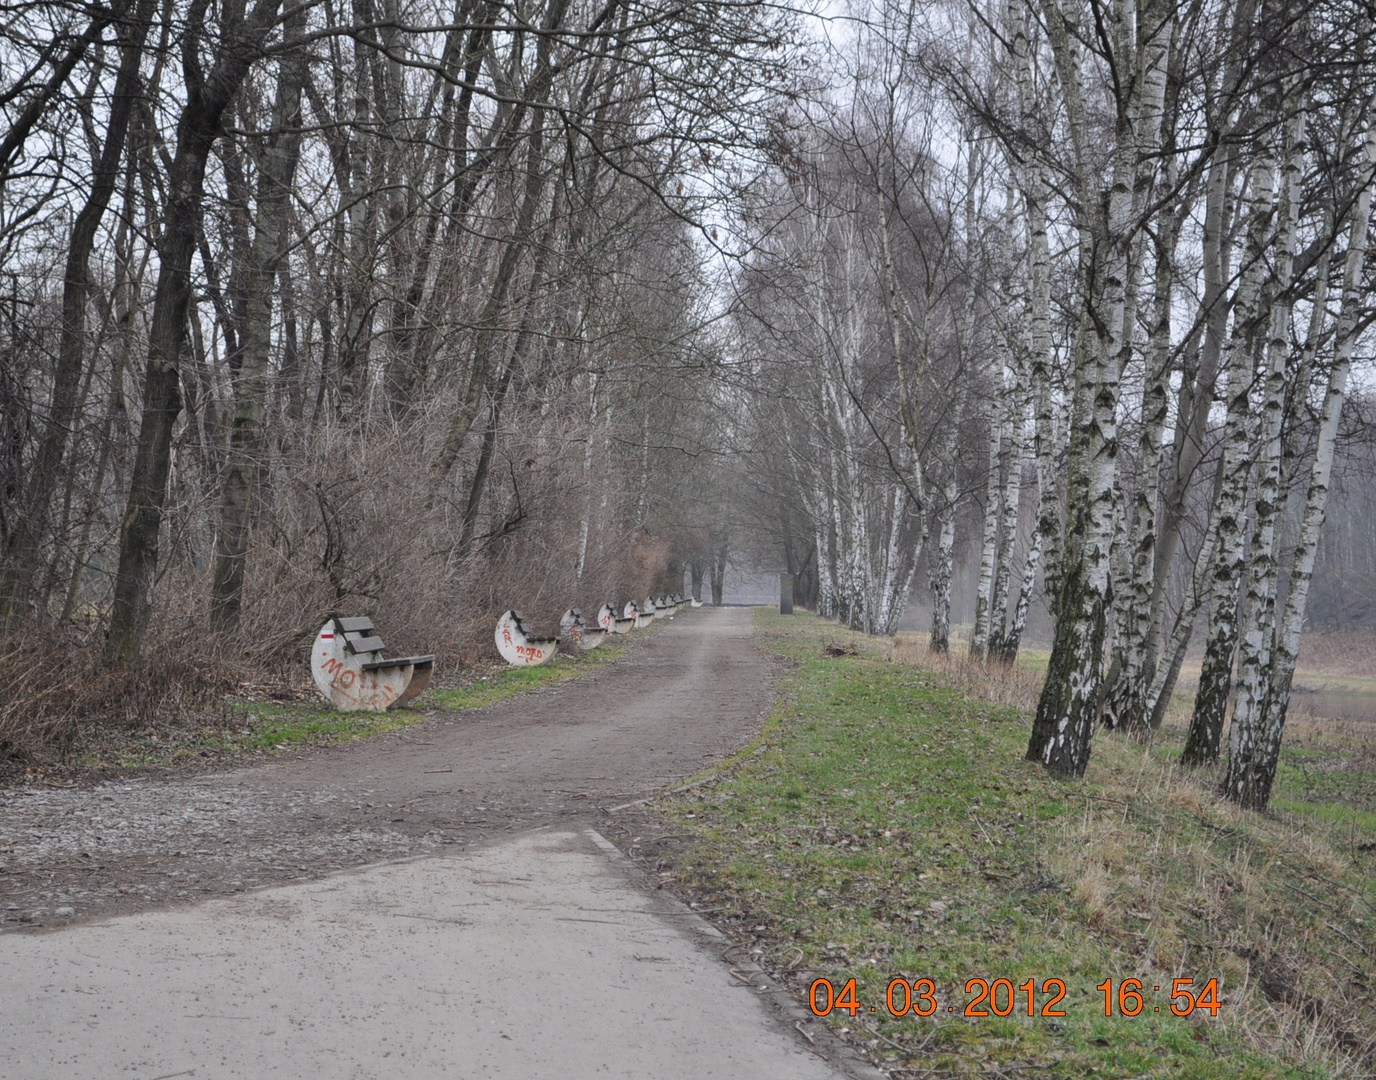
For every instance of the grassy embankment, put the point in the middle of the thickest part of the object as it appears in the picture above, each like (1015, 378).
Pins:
(889, 826)
(250, 726)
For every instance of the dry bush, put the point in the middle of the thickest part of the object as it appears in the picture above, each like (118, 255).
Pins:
(57, 692)
(347, 525)
(1339, 652)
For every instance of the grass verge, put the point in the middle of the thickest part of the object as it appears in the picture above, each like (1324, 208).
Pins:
(888, 827)
(259, 725)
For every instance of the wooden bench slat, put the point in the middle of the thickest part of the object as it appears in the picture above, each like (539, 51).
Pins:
(354, 625)
(359, 644)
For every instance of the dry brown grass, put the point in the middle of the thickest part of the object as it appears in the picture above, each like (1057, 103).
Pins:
(57, 693)
(1001, 684)
(1196, 888)
(1279, 907)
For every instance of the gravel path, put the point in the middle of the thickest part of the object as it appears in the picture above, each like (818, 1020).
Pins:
(682, 697)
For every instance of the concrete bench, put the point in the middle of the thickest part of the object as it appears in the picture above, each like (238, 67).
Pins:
(353, 675)
(642, 617)
(519, 648)
(612, 623)
(573, 629)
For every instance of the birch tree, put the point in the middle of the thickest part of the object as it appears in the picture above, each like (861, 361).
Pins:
(1067, 710)
(1257, 730)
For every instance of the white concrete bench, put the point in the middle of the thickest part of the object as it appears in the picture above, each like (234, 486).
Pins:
(612, 623)
(519, 648)
(352, 674)
(573, 629)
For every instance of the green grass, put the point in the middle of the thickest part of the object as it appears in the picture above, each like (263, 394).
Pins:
(504, 682)
(883, 791)
(1327, 682)
(498, 685)
(271, 727)
(246, 727)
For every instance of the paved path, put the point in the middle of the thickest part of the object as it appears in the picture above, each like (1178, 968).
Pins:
(522, 949)
(535, 958)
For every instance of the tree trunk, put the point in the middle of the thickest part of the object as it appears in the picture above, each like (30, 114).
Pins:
(1215, 677)
(30, 530)
(718, 570)
(979, 634)
(1197, 386)
(585, 526)
(356, 189)
(496, 395)
(1008, 654)
(1008, 529)
(197, 130)
(1066, 711)
(1034, 190)
(942, 561)
(246, 444)
(1254, 743)
(1259, 607)
(1069, 702)
(1139, 650)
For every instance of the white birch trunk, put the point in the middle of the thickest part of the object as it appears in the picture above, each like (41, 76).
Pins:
(1013, 641)
(585, 526)
(1140, 647)
(644, 469)
(1258, 620)
(910, 391)
(1034, 190)
(979, 636)
(1254, 750)
(943, 558)
(1134, 597)
(1015, 451)
(1069, 702)
(1215, 678)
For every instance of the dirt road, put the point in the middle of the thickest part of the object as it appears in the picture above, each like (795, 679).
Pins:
(432, 903)
(684, 696)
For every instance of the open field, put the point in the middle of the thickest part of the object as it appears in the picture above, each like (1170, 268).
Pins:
(886, 825)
